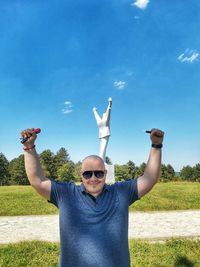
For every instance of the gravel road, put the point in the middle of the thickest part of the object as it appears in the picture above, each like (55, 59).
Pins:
(142, 225)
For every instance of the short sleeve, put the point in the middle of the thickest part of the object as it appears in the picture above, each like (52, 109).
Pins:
(59, 190)
(129, 189)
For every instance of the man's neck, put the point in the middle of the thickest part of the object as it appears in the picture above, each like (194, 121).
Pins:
(94, 194)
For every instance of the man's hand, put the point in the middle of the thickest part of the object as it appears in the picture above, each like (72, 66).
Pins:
(156, 136)
(31, 135)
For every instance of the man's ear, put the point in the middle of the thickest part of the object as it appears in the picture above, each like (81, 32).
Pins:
(80, 172)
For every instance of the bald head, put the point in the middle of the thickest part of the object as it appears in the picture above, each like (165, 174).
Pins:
(93, 158)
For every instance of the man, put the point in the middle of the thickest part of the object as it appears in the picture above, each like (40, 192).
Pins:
(93, 217)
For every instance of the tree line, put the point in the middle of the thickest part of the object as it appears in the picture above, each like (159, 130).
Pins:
(59, 166)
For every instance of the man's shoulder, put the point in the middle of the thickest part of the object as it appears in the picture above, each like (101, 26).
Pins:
(128, 184)
(124, 182)
(64, 184)
(61, 191)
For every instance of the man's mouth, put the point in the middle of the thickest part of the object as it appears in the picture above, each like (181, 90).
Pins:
(93, 183)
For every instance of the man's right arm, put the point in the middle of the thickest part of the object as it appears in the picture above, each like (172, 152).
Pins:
(36, 175)
(33, 167)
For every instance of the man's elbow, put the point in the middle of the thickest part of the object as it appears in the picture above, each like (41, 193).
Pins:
(145, 185)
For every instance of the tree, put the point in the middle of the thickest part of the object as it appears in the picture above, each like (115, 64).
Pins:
(167, 173)
(66, 172)
(77, 170)
(108, 160)
(170, 172)
(17, 171)
(61, 157)
(121, 172)
(164, 175)
(187, 173)
(196, 172)
(140, 169)
(131, 169)
(4, 174)
(48, 163)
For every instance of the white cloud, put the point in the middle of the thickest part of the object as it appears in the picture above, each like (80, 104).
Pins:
(67, 108)
(142, 4)
(119, 84)
(188, 56)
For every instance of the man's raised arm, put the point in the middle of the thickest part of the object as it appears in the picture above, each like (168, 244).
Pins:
(33, 167)
(153, 167)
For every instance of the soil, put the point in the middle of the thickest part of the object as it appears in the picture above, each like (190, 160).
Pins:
(152, 226)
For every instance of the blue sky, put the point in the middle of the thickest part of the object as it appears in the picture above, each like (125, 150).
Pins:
(58, 59)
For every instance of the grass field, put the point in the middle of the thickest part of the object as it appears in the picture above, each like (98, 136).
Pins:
(23, 200)
(170, 196)
(173, 253)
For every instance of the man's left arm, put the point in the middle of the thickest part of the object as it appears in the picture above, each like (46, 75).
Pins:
(153, 167)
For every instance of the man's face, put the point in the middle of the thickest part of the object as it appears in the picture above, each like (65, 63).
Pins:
(93, 185)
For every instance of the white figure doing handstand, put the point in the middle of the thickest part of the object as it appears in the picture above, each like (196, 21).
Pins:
(104, 128)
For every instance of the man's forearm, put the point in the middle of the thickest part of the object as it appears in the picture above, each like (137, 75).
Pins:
(153, 167)
(33, 167)
(152, 170)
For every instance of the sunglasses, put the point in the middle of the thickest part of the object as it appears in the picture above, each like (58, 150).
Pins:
(98, 174)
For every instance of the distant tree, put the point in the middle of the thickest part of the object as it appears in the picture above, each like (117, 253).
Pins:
(131, 169)
(167, 173)
(121, 172)
(108, 160)
(170, 172)
(48, 163)
(4, 173)
(17, 171)
(196, 173)
(61, 157)
(66, 172)
(140, 169)
(164, 173)
(77, 170)
(187, 173)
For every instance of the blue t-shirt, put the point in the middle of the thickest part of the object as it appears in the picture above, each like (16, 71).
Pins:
(94, 233)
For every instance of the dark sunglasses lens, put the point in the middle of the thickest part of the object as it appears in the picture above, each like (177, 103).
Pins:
(87, 174)
(99, 174)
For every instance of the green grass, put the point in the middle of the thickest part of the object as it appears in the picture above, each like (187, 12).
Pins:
(23, 200)
(170, 196)
(173, 253)
(34, 253)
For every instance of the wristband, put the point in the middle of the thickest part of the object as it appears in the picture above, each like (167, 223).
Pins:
(157, 145)
(28, 148)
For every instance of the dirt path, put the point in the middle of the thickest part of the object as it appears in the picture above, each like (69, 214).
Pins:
(142, 225)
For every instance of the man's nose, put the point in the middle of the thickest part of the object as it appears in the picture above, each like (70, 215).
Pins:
(93, 177)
